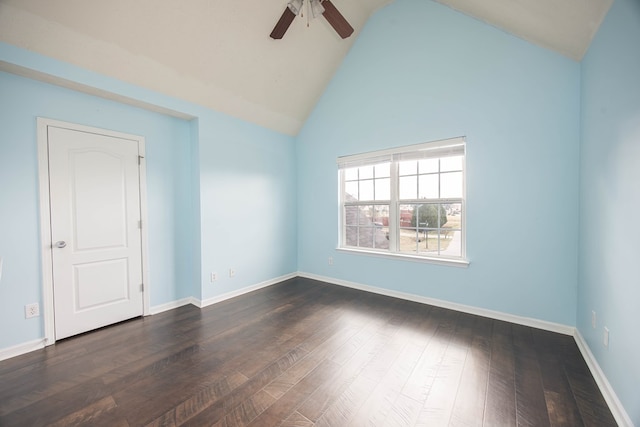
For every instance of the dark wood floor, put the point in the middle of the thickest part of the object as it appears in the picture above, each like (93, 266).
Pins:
(303, 353)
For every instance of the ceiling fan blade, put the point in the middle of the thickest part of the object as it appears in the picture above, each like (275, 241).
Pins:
(283, 24)
(337, 21)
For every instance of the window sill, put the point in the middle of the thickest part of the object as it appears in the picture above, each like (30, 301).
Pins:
(461, 263)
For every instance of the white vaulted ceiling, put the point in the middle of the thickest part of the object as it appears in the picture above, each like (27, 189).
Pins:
(217, 53)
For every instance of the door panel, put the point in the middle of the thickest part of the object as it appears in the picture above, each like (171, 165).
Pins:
(95, 211)
(91, 170)
(95, 283)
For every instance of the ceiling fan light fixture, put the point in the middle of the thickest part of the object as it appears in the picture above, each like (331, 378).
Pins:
(316, 8)
(295, 6)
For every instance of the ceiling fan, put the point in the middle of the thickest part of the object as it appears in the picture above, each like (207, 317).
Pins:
(314, 8)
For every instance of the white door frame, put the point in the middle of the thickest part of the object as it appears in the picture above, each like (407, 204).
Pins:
(46, 245)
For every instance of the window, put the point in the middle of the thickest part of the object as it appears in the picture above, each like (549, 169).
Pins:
(407, 201)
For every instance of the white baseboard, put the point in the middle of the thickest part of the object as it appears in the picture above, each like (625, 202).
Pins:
(233, 294)
(618, 411)
(17, 350)
(520, 320)
(156, 309)
(621, 416)
(27, 347)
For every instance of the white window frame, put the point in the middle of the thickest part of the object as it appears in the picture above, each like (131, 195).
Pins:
(433, 149)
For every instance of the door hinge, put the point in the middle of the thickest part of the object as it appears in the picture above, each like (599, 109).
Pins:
(141, 287)
(140, 224)
(140, 159)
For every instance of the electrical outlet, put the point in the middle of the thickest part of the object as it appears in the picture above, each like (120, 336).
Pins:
(593, 319)
(232, 272)
(330, 260)
(605, 339)
(31, 310)
(214, 277)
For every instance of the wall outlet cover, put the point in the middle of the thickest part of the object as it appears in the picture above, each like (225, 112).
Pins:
(31, 310)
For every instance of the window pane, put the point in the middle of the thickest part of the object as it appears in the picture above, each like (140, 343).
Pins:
(428, 185)
(381, 236)
(428, 242)
(406, 215)
(381, 215)
(383, 189)
(351, 238)
(366, 172)
(408, 187)
(409, 237)
(428, 165)
(409, 167)
(451, 164)
(365, 237)
(351, 191)
(381, 222)
(451, 243)
(430, 215)
(350, 174)
(366, 189)
(409, 240)
(365, 215)
(454, 215)
(351, 215)
(382, 170)
(451, 185)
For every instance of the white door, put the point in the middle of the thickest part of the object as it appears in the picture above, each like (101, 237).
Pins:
(95, 229)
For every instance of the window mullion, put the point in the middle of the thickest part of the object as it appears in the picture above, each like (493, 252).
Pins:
(341, 215)
(394, 218)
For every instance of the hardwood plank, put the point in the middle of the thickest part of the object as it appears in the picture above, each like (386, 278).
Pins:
(385, 406)
(385, 399)
(208, 395)
(320, 351)
(470, 401)
(591, 404)
(325, 394)
(218, 409)
(248, 410)
(343, 408)
(88, 413)
(419, 384)
(500, 407)
(561, 404)
(405, 412)
(296, 420)
(531, 406)
(284, 407)
(439, 404)
(353, 357)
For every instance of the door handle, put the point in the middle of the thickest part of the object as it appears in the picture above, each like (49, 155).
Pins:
(60, 244)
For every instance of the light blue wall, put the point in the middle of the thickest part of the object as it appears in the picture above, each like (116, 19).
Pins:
(609, 273)
(168, 186)
(221, 192)
(420, 71)
(248, 205)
